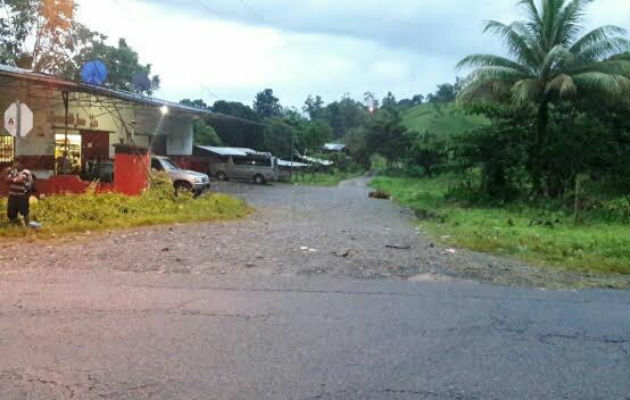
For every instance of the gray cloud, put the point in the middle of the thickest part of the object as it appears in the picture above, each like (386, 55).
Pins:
(235, 48)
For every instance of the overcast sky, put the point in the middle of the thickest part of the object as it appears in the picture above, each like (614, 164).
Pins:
(231, 49)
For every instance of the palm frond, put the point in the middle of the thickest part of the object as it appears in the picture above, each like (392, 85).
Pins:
(476, 90)
(550, 11)
(532, 11)
(600, 50)
(563, 84)
(596, 36)
(496, 73)
(601, 82)
(531, 37)
(525, 90)
(567, 23)
(489, 60)
(558, 55)
(516, 43)
(612, 66)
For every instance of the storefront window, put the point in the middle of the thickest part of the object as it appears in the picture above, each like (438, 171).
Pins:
(7, 149)
(72, 163)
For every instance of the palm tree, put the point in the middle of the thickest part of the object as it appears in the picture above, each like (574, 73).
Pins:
(551, 61)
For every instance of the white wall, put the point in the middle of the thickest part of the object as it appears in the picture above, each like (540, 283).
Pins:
(140, 121)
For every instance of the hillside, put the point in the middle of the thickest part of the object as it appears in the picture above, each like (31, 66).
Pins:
(443, 119)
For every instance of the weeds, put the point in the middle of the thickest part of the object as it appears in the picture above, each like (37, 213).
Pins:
(543, 232)
(92, 211)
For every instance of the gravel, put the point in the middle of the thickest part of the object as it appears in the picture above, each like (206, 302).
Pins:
(296, 230)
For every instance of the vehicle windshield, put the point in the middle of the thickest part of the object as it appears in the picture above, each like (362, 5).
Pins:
(167, 163)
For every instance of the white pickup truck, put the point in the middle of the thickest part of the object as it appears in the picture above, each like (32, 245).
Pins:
(183, 179)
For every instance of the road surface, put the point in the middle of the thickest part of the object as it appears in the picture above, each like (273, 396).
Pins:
(228, 311)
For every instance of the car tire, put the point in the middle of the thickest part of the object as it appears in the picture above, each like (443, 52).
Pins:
(259, 179)
(221, 176)
(182, 186)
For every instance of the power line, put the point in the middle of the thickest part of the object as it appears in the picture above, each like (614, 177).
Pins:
(252, 10)
(207, 7)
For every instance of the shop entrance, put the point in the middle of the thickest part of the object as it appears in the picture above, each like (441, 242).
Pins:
(95, 162)
(94, 146)
(70, 165)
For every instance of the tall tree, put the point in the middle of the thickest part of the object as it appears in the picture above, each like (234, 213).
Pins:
(242, 131)
(389, 102)
(386, 136)
(313, 107)
(266, 105)
(551, 61)
(38, 34)
(122, 62)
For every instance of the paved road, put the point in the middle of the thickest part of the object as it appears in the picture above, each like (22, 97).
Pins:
(116, 335)
(189, 312)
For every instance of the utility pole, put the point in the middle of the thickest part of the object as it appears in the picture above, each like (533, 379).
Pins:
(292, 154)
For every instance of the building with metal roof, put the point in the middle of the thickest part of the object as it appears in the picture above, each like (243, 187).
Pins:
(334, 147)
(76, 125)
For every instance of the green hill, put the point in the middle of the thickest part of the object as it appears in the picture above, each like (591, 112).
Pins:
(440, 119)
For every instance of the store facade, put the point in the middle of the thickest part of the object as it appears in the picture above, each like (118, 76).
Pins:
(77, 128)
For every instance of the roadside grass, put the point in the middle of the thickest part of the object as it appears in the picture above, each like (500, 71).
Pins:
(593, 247)
(324, 179)
(91, 211)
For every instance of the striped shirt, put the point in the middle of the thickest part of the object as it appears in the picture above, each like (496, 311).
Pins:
(20, 182)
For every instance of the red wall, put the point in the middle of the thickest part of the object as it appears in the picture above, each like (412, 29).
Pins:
(132, 168)
(131, 176)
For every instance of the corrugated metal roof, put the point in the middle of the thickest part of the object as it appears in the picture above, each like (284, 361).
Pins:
(313, 160)
(283, 163)
(228, 151)
(334, 146)
(55, 81)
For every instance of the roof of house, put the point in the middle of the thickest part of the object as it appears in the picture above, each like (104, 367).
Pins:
(233, 151)
(334, 146)
(313, 160)
(228, 151)
(60, 83)
(295, 164)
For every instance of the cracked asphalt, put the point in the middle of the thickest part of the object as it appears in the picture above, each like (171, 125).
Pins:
(245, 310)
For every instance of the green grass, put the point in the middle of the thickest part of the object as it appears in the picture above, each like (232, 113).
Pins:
(62, 214)
(592, 247)
(444, 119)
(324, 179)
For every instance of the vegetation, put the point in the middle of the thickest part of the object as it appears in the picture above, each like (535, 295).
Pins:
(94, 211)
(551, 63)
(441, 119)
(543, 233)
(544, 131)
(533, 159)
(44, 35)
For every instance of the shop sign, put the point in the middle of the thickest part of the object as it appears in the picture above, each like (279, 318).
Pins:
(74, 120)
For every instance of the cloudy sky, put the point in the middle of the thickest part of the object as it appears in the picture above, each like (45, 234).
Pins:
(231, 49)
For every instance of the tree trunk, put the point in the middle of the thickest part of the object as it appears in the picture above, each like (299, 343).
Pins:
(538, 162)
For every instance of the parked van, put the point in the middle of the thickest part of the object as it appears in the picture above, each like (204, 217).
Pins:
(257, 167)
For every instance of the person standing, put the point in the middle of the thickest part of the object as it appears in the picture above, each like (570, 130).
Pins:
(20, 182)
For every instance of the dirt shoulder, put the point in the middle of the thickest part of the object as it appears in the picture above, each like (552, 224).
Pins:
(296, 230)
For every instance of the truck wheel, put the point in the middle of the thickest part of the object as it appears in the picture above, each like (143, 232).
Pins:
(221, 176)
(259, 179)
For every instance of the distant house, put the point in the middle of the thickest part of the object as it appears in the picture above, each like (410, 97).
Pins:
(335, 147)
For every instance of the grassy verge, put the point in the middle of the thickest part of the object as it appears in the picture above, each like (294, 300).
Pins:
(592, 247)
(324, 179)
(92, 212)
